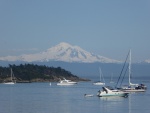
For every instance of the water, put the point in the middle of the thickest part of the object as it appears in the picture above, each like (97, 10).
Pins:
(43, 98)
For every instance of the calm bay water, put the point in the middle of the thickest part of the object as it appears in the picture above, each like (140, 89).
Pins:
(43, 98)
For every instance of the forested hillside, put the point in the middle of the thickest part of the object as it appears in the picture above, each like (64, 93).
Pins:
(35, 73)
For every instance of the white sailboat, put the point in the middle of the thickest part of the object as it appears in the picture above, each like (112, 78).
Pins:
(100, 77)
(12, 79)
(133, 87)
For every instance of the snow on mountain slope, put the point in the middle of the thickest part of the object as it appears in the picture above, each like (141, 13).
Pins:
(61, 52)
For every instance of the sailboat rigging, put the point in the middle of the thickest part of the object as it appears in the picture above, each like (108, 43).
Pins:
(131, 87)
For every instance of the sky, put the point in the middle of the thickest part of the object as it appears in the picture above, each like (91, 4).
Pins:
(105, 27)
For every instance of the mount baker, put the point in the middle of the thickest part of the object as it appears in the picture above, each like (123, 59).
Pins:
(61, 52)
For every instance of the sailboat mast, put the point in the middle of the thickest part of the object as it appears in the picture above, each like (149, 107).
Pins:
(129, 66)
(11, 74)
(100, 74)
(111, 79)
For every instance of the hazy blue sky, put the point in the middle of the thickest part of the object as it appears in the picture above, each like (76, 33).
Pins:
(105, 27)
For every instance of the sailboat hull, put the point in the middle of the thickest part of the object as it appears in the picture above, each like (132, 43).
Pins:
(98, 83)
(134, 90)
(9, 83)
(12, 79)
(139, 88)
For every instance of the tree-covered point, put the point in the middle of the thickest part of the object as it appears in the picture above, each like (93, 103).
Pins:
(31, 72)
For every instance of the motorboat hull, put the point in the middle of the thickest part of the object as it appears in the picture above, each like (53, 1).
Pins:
(65, 82)
(113, 94)
(106, 92)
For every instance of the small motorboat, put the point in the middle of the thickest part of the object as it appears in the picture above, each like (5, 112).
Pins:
(108, 91)
(66, 82)
(88, 95)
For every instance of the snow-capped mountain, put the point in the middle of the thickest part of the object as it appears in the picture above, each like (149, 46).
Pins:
(61, 52)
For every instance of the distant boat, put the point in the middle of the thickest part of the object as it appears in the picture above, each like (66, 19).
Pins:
(12, 81)
(100, 77)
(66, 82)
(109, 92)
(133, 87)
(111, 79)
(88, 95)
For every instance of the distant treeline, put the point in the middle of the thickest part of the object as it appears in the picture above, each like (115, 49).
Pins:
(32, 72)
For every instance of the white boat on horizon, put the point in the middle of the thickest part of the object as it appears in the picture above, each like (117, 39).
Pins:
(98, 83)
(109, 92)
(12, 81)
(66, 82)
(100, 77)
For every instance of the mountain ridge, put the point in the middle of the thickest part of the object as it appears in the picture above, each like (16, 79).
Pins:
(62, 52)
